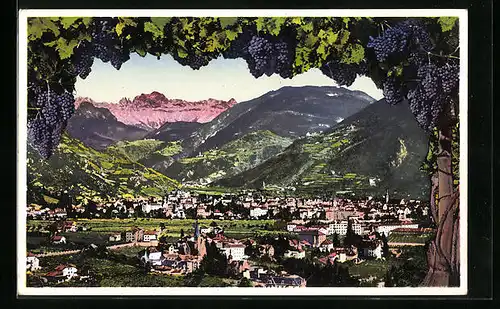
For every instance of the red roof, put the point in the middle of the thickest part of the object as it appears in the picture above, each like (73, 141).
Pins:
(30, 254)
(61, 267)
(57, 238)
(53, 274)
(326, 242)
(150, 232)
(305, 242)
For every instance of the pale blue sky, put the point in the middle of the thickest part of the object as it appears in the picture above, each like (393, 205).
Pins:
(222, 79)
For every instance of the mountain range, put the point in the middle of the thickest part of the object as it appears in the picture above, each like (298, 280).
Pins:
(98, 128)
(314, 139)
(151, 111)
(381, 147)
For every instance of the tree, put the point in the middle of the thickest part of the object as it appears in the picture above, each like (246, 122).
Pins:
(385, 246)
(335, 240)
(182, 233)
(245, 282)
(214, 262)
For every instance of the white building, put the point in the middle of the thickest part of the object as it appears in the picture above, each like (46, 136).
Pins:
(32, 263)
(388, 228)
(237, 251)
(149, 236)
(205, 229)
(291, 227)
(69, 272)
(257, 212)
(115, 237)
(340, 227)
(295, 254)
(373, 250)
(149, 207)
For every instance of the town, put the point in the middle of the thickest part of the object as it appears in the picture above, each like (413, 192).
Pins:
(245, 239)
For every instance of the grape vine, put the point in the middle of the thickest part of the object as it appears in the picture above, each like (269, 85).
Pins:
(410, 59)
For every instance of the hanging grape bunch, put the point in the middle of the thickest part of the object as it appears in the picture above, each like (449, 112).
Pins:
(53, 112)
(342, 73)
(434, 80)
(105, 43)
(83, 59)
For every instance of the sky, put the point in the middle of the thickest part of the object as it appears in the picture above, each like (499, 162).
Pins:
(221, 79)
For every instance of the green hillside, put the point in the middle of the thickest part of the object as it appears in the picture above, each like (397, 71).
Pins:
(88, 173)
(379, 148)
(232, 158)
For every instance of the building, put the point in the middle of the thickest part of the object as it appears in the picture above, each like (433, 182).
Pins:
(326, 246)
(295, 254)
(370, 249)
(256, 212)
(62, 273)
(32, 262)
(115, 237)
(312, 236)
(57, 240)
(387, 228)
(340, 227)
(234, 250)
(149, 236)
(134, 235)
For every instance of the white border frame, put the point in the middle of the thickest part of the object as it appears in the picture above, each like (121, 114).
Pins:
(235, 291)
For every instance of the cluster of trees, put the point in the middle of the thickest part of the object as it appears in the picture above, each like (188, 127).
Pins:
(411, 272)
(320, 276)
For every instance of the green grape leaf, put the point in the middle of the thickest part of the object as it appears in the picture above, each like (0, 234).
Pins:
(354, 53)
(214, 42)
(346, 21)
(311, 39)
(181, 52)
(322, 51)
(271, 25)
(447, 23)
(232, 35)
(344, 37)
(161, 22)
(296, 20)
(227, 21)
(86, 21)
(119, 28)
(123, 22)
(155, 31)
(307, 27)
(65, 48)
(37, 26)
(68, 21)
(141, 52)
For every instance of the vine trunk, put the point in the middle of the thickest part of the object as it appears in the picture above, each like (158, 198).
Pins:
(443, 256)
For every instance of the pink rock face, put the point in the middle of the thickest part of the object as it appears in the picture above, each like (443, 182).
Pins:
(152, 110)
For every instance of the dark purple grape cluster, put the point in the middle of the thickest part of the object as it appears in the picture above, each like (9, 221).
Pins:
(83, 59)
(394, 40)
(392, 90)
(262, 60)
(106, 45)
(42, 137)
(449, 77)
(194, 61)
(400, 39)
(428, 76)
(285, 53)
(54, 111)
(432, 92)
(239, 47)
(343, 74)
